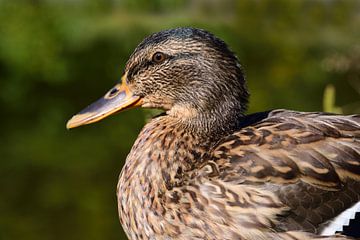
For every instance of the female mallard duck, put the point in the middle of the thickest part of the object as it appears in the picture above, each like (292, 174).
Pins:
(205, 170)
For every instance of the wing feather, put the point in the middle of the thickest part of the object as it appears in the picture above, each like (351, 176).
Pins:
(320, 149)
(311, 161)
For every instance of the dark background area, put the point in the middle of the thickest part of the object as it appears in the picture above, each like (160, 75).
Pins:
(56, 57)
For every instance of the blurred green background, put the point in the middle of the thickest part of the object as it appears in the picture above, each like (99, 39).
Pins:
(58, 56)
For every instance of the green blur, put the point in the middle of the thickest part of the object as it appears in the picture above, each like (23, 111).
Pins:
(56, 57)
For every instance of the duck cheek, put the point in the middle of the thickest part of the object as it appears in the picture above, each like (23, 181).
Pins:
(155, 101)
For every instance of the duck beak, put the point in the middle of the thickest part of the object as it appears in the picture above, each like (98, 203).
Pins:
(117, 99)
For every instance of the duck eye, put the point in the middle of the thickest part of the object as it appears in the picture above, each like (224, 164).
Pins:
(158, 57)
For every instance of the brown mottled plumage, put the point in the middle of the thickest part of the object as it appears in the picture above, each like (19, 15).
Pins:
(204, 170)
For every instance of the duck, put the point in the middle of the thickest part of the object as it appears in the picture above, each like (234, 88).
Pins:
(204, 169)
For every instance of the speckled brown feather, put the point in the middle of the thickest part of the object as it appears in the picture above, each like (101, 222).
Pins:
(205, 171)
(310, 160)
(289, 172)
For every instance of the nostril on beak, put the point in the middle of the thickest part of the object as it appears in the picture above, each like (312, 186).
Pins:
(113, 92)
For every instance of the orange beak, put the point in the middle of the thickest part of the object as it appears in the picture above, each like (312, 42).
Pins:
(117, 99)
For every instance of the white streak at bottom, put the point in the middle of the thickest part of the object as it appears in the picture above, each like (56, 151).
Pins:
(337, 224)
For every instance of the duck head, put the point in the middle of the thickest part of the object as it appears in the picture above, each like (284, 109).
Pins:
(188, 72)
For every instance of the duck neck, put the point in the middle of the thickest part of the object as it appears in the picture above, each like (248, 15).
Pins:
(212, 123)
(163, 157)
(167, 145)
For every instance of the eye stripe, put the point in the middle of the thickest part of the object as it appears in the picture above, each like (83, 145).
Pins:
(144, 64)
(134, 70)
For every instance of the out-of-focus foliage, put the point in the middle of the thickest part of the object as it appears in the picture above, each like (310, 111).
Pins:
(58, 56)
(329, 100)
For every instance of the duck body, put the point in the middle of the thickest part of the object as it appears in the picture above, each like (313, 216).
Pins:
(282, 175)
(204, 169)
